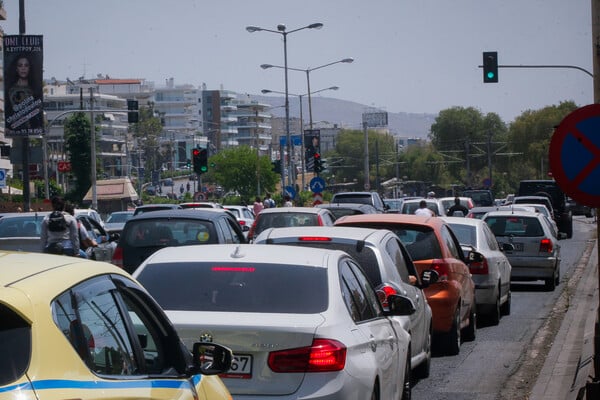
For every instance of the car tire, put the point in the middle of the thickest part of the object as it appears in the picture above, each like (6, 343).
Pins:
(471, 330)
(550, 283)
(407, 382)
(422, 370)
(494, 316)
(557, 276)
(451, 340)
(505, 308)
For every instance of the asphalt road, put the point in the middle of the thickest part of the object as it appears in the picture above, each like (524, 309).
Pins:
(484, 366)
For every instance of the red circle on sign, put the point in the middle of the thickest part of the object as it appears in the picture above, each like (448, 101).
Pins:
(568, 128)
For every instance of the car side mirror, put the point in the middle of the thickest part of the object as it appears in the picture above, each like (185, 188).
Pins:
(507, 247)
(113, 237)
(400, 305)
(475, 257)
(562, 235)
(428, 277)
(211, 358)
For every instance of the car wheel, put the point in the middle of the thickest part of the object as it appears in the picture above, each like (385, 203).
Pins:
(451, 340)
(494, 316)
(407, 384)
(505, 308)
(471, 329)
(557, 277)
(422, 370)
(550, 284)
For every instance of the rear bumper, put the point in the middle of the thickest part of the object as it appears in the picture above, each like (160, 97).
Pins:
(443, 300)
(532, 267)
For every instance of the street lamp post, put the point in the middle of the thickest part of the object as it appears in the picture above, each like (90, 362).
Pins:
(266, 91)
(281, 29)
(308, 71)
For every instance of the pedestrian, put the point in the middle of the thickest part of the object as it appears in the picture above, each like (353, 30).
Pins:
(457, 208)
(85, 240)
(59, 230)
(257, 206)
(268, 202)
(423, 210)
(287, 201)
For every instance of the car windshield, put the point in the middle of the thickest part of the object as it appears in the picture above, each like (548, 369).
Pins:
(119, 217)
(25, 226)
(233, 287)
(515, 225)
(169, 232)
(284, 220)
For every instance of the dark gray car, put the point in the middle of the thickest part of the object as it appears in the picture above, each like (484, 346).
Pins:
(146, 233)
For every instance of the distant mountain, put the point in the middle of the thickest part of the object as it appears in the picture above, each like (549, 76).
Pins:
(348, 114)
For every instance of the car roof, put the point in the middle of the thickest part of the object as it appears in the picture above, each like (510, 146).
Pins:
(244, 253)
(199, 213)
(463, 221)
(391, 219)
(297, 210)
(347, 233)
(514, 212)
(353, 206)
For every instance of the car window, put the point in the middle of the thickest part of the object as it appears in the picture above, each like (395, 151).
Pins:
(466, 234)
(490, 238)
(451, 243)
(392, 247)
(353, 198)
(420, 241)
(25, 226)
(172, 232)
(358, 295)
(15, 345)
(233, 287)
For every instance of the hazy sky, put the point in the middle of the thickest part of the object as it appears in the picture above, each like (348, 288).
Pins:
(417, 56)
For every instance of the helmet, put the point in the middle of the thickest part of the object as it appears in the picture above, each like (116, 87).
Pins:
(431, 194)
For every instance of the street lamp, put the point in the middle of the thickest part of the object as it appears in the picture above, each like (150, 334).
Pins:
(308, 71)
(281, 29)
(266, 91)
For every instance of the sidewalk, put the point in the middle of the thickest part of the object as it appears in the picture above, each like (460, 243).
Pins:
(570, 360)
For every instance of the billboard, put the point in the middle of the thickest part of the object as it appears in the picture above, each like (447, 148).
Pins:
(23, 93)
(375, 119)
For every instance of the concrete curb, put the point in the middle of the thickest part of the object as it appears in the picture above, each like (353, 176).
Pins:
(569, 362)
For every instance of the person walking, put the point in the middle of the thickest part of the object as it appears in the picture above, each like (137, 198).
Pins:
(59, 233)
(288, 201)
(423, 210)
(457, 208)
(257, 206)
(268, 202)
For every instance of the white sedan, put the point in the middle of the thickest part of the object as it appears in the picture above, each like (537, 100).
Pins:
(491, 274)
(301, 322)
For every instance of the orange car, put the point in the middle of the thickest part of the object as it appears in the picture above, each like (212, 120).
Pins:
(432, 245)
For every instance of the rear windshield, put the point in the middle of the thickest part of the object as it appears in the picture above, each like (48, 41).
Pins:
(515, 225)
(169, 232)
(481, 199)
(284, 220)
(233, 287)
(15, 345)
(352, 198)
(25, 226)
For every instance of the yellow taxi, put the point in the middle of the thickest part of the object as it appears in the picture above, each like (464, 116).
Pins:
(78, 329)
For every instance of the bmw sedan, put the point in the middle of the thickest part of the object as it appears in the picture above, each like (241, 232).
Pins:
(79, 329)
(303, 323)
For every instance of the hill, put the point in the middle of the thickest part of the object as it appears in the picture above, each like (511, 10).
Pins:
(348, 114)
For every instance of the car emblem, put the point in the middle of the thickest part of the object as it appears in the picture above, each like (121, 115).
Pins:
(206, 337)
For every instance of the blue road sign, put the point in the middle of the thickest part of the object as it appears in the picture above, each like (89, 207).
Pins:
(290, 191)
(317, 184)
(575, 155)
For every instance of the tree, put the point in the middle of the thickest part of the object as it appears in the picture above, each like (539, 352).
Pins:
(77, 138)
(146, 133)
(238, 168)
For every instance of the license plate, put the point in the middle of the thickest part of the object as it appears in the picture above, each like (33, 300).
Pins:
(241, 367)
(518, 246)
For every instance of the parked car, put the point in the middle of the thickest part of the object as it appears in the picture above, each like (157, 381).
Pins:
(491, 274)
(155, 207)
(85, 329)
(448, 202)
(146, 233)
(107, 242)
(536, 253)
(371, 198)
(341, 209)
(301, 322)
(386, 264)
(435, 205)
(281, 217)
(562, 214)
(481, 197)
(577, 208)
(116, 221)
(244, 216)
(21, 231)
(432, 245)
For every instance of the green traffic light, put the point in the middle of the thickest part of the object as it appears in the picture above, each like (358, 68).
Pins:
(203, 169)
(490, 75)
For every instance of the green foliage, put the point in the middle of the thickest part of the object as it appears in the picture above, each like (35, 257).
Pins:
(77, 144)
(146, 133)
(239, 168)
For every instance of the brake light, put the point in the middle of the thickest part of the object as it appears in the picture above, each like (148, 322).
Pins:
(117, 258)
(314, 239)
(252, 228)
(324, 355)
(545, 245)
(242, 222)
(479, 268)
(383, 292)
(233, 269)
(320, 221)
(441, 267)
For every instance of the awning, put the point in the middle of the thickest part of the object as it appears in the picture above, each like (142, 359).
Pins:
(113, 189)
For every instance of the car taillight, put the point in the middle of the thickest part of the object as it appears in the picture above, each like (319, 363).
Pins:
(242, 222)
(545, 245)
(314, 239)
(320, 221)
(441, 267)
(383, 292)
(251, 231)
(117, 258)
(324, 355)
(479, 268)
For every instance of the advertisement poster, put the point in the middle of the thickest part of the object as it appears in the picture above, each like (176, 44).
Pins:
(23, 93)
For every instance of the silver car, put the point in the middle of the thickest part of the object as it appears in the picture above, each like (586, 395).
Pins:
(303, 323)
(536, 253)
(388, 266)
(491, 274)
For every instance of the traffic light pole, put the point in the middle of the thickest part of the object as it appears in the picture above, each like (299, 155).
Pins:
(545, 66)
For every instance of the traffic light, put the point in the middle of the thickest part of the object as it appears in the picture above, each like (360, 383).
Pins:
(490, 67)
(132, 115)
(200, 160)
(317, 162)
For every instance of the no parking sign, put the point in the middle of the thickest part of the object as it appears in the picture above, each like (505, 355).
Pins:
(575, 155)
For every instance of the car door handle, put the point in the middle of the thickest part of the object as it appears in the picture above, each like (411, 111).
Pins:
(373, 344)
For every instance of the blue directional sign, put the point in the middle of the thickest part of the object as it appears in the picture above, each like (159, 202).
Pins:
(317, 184)
(290, 191)
(575, 155)
(2, 178)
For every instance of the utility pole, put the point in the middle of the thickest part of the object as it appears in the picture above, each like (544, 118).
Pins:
(367, 184)
(25, 139)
